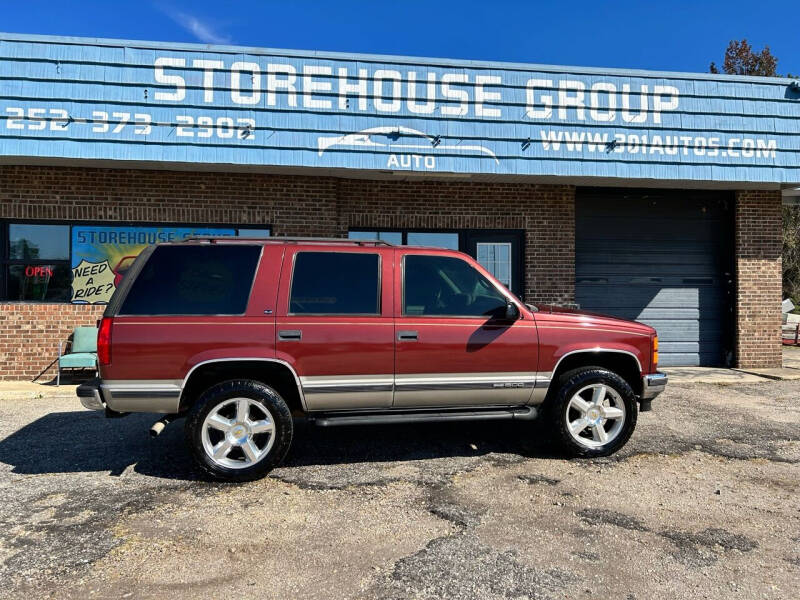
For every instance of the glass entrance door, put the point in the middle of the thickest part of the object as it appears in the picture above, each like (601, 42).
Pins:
(495, 257)
(500, 253)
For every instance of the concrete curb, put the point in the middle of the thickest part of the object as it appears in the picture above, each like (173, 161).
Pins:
(684, 375)
(774, 374)
(25, 390)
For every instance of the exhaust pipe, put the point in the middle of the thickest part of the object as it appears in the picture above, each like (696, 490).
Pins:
(159, 425)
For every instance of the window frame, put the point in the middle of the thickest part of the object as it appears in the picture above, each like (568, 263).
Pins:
(403, 313)
(379, 290)
(5, 244)
(6, 261)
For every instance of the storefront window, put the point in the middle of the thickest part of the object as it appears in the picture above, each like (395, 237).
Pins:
(36, 263)
(38, 242)
(83, 263)
(393, 237)
(39, 283)
(434, 239)
(254, 233)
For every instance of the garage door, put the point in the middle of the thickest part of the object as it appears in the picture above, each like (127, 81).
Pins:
(664, 259)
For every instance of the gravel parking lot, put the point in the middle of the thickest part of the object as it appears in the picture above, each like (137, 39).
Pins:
(702, 503)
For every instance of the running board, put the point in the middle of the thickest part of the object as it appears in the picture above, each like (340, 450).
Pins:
(523, 413)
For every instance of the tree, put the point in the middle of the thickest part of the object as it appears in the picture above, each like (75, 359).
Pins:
(741, 59)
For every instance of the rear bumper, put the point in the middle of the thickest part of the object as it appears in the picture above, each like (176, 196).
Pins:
(130, 396)
(653, 384)
(89, 395)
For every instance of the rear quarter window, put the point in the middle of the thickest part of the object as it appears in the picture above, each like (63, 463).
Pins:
(194, 280)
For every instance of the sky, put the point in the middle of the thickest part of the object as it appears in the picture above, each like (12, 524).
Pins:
(675, 35)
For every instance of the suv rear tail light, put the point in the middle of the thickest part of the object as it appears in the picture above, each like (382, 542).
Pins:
(654, 358)
(104, 341)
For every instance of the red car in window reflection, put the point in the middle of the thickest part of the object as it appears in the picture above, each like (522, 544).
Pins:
(122, 268)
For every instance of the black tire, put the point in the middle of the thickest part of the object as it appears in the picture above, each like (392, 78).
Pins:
(262, 399)
(559, 412)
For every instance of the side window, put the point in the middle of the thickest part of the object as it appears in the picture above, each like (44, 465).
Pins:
(335, 283)
(447, 286)
(194, 280)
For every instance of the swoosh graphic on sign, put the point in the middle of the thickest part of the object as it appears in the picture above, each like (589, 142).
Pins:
(362, 139)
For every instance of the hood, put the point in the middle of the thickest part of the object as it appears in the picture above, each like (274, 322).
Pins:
(562, 312)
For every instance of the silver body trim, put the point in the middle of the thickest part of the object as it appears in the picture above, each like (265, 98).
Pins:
(540, 390)
(343, 392)
(334, 381)
(142, 396)
(653, 384)
(330, 392)
(459, 389)
(347, 388)
(475, 378)
(538, 396)
(164, 396)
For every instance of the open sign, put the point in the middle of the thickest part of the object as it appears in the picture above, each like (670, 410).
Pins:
(38, 271)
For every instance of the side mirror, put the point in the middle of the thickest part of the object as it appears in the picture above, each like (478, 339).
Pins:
(512, 311)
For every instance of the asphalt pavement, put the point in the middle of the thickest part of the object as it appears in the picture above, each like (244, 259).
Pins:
(702, 503)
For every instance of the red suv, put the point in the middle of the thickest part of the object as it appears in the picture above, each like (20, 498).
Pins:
(239, 336)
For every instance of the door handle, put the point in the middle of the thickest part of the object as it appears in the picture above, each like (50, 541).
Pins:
(407, 336)
(290, 334)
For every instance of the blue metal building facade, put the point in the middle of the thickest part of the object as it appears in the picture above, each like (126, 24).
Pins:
(64, 98)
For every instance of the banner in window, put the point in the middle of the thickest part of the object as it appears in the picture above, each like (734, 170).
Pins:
(102, 254)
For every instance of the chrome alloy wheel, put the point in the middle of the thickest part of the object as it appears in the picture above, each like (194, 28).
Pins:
(238, 433)
(595, 415)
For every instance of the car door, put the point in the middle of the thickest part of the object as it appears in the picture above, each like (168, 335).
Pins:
(453, 346)
(335, 325)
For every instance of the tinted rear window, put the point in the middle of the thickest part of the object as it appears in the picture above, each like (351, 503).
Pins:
(194, 280)
(335, 283)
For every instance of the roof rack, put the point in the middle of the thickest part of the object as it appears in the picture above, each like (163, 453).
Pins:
(281, 240)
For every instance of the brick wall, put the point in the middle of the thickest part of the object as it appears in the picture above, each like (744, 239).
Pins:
(30, 333)
(545, 212)
(291, 205)
(758, 273)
